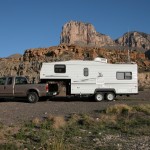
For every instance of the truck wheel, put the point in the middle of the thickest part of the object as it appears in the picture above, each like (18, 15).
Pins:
(110, 96)
(99, 97)
(32, 97)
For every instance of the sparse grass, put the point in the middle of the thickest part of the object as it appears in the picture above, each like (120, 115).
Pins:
(21, 135)
(8, 146)
(143, 108)
(81, 131)
(120, 109)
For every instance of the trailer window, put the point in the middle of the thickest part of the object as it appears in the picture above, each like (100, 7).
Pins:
(124, 75)
(9, 81)
(86, 72)
(2, 81)
(60, 68)
(20, 80)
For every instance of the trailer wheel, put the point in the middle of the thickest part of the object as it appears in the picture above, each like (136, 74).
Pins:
(110, 96)
(99, 97)
(32, 97)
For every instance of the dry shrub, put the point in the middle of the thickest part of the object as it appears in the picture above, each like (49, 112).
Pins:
(74, 118)
(119, 109)
(50, 117)
(108, 118)
(36, 121)
(58, 121)
(7, 131)
(143, 108)
(2, 135)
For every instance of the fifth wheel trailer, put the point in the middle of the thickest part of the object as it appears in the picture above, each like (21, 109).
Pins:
(97, 77)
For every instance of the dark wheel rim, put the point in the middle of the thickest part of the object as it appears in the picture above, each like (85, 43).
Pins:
(31, 98)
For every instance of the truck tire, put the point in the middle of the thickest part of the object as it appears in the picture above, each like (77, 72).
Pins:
(110, 96)
(32, 97)
(99, 97)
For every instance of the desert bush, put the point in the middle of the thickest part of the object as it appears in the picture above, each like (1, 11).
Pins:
(57, 143)
(119, 109)
(58, 122)
(143, 108)
(108, 119)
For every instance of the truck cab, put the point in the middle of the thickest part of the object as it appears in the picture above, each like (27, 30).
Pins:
(11, 86)
(19, 87)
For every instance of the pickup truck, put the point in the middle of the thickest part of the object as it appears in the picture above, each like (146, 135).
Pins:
(18, 86)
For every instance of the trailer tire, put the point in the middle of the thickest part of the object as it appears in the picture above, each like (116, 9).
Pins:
(110, 96)
(32, 97)
(99, 96)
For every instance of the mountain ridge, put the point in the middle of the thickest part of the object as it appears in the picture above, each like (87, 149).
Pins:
(80, 33)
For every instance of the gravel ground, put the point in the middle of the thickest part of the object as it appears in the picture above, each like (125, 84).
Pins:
(14, 111)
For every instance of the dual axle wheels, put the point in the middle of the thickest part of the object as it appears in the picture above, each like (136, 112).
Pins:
(100, 96)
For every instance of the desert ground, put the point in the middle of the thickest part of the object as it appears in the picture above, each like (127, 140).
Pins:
(14, 111)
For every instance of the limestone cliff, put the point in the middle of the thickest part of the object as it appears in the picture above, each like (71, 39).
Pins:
(83, 34)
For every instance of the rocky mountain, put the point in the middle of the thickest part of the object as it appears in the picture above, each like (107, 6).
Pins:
(15, 56)
(136, 40)
(83, 34)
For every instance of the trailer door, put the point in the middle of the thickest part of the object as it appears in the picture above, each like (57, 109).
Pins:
(100, 80)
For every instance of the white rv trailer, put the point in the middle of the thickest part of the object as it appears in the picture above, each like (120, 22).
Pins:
(97, 77)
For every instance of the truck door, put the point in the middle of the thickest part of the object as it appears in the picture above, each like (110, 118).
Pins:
(8, 87)
(2, 85)
(20, 86)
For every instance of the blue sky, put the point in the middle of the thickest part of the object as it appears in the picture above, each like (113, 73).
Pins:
(28, 24)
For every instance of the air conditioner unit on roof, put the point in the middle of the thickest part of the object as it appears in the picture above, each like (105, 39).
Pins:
(102, 60)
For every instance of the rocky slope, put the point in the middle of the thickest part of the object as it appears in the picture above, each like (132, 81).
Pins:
(15, 56)
(30, 63)
(136, 40)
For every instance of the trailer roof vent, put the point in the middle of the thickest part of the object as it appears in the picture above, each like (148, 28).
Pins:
(99, 59)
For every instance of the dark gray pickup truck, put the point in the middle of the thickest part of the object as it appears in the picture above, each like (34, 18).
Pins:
(19, 87)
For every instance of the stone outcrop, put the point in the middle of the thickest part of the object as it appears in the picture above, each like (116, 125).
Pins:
(135, 40)
(83, 34)
(67, 52)
(16, 66)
